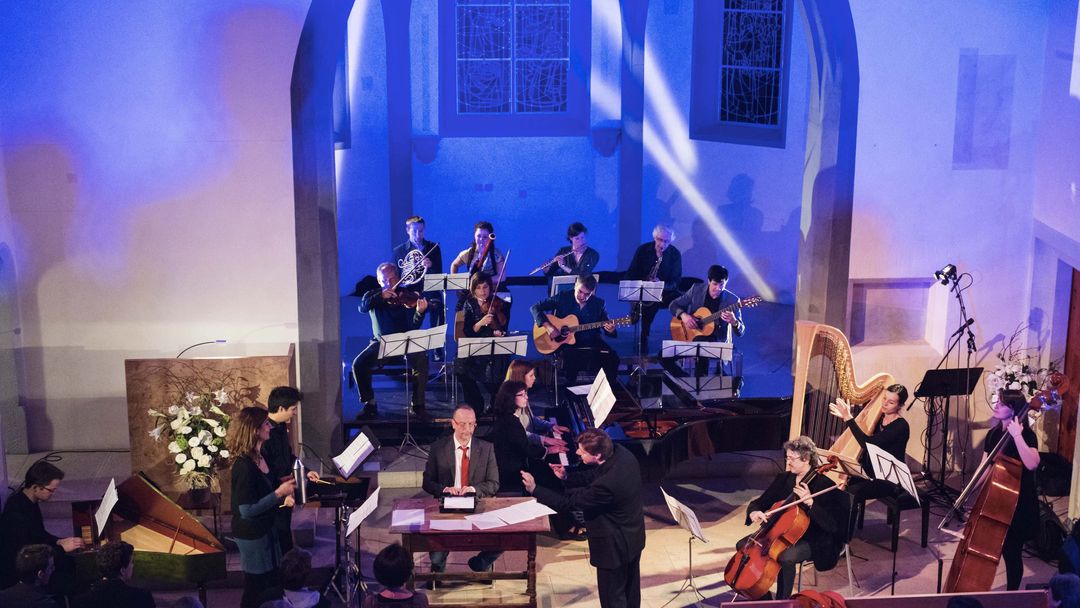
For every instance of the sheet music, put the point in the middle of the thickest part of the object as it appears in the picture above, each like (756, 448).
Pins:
(108, 501)
(685, 517)
(407, 517)
(503, 345)
(358, 449)
(580, 390)
(514, 514)
(361, 514)
(456, 525)
(412, 341)
(601, 399)
(890, 469)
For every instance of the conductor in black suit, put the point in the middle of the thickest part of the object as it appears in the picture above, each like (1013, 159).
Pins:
(459, 464)
(609, 494)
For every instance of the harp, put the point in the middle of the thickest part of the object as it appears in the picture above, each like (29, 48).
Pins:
(823, 372)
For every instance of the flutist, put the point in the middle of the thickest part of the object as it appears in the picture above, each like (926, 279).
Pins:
(577, 258)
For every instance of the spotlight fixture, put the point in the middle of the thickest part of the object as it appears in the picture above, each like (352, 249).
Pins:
(946, 274)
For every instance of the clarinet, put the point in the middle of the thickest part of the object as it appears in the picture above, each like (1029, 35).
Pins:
(656, 267)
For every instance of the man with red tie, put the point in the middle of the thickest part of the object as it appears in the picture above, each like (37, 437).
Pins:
(459, 464)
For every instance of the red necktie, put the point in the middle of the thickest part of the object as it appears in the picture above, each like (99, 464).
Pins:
(464, 465)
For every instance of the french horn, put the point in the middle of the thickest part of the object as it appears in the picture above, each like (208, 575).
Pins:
(412, 268)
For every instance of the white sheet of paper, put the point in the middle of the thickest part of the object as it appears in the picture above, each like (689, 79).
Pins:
(484, 521)
(521, 512)
(407, 517)
(580, 390)
(450, 524)
(890, 469)
(359, 449)
(459, 502)
(601, 399)
(108, 501)
(685, 517)
(359, 515)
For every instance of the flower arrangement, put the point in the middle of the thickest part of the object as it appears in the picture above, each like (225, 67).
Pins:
(1017, 369)
(196, 430)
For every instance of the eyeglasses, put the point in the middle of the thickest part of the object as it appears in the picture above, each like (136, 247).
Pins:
(50, 490)
(468, 425)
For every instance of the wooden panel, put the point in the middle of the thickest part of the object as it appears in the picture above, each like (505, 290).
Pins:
(156, 383)
(1067, 422)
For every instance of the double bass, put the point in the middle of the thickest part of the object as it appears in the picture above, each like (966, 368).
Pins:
(975, 562)
(753, 569)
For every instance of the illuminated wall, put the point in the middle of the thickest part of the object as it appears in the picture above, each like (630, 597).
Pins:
(148, 200)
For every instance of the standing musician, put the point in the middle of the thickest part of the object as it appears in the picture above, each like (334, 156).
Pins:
(390, 314)
(577, 257)
(712, 295)
(822, 540)
(890, 434)
(656, 261)
(414, 228)
(1023, 447)
(486, 316)
(589, 346)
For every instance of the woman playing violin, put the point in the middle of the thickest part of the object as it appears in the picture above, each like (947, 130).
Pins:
(1023, 447)
(823, 539)
(486, 316)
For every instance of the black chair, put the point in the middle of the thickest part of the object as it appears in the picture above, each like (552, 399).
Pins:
(853, 581)
(895, 505)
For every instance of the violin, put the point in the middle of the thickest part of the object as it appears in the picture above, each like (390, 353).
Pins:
(496, 307)
(406, 298)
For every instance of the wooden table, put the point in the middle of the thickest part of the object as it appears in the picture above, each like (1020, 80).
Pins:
(517, 537)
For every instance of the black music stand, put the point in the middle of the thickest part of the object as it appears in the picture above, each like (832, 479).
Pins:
(637, 293)
(943, 384)
(402, 345)
(446, 283)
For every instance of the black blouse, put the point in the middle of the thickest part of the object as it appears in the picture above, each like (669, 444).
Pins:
(892, 438)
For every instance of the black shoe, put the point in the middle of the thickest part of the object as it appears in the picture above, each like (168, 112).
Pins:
(474, 565)
(370, 412)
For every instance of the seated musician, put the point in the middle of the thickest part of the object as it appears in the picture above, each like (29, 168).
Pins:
(589, 348)
(414, 228)
(486, 316)
(536, 429)
(576, 258)
(890, 434)
(1022, 446)
(389, 315)
(22, 524)
(713, 296)
(514, 452)
(480, 256)
(656, 260)
(823, 539)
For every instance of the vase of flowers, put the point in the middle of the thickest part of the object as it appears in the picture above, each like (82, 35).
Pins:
(195, 429)
(1018, 369)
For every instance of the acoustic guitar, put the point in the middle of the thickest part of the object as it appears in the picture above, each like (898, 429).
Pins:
(707, 320)
(567, 327)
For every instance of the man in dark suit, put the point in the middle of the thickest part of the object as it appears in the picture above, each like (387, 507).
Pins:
(589, 346)
(609, 494)
(458, 464)
(33, 566)
(414, 227)
(282, 405)
(657, 260)
(713, 296)
(115, 565)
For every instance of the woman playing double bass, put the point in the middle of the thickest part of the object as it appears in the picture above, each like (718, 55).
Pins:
(1023, 447)
(821, 542)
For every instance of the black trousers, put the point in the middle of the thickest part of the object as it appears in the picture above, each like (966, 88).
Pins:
(620, 587)
(1012, 553)
(368, 359)
(259, 588)
(589, 357)
(283, 529)
(477, 372)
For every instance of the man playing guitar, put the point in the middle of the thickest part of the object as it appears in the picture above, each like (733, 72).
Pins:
(589, 346)
(713, 296)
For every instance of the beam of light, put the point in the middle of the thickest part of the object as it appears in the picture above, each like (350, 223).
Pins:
(670, 166)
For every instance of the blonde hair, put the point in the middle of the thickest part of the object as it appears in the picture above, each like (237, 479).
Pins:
(244, 432)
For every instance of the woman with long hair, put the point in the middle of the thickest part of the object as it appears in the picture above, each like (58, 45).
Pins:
(256, 495)
(514, 452)
(485, 316)
(536, 429)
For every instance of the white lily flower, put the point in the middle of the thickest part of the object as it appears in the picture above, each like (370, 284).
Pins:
(190, 398)
(156, 433)
(173, 410)
(221, 395)
(219, 431)
(176, 424)
(211, 422)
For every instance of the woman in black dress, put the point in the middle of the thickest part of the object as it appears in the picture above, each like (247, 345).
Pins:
(256, 496)
(485, 316)
(890, 434)
(514, 452)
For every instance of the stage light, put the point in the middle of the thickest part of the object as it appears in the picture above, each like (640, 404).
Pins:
(946, 274)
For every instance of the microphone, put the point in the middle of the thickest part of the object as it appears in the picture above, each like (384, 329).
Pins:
(962, 328)
(218, 341)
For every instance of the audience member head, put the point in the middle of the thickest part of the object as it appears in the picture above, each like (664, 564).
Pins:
(114, 560)
(594, 446)
(1064, 591)
(246, 432)
(963, 601)
(522, 371)
(187, 601)
(393, 566)
(283, 398)
(278, 603)
(41, 481)
(295, 568)
(508, 398)
(34, 564)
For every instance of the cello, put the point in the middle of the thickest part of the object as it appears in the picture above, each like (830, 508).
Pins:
(976, 559)
(753, 569)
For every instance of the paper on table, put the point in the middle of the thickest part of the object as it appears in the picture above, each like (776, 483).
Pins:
(580, 390)
(890, 469)
(359, 515)
(601, 399)
(459, 502)
(523, 511)
(685, 517)
(450, 524)
(359, 449)
(407, 517)
(485, 521)
(108, 501)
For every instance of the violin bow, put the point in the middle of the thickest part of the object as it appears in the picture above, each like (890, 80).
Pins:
(498, 279)
(425, 256)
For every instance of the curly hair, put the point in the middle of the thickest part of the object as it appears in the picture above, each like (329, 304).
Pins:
(804, 447)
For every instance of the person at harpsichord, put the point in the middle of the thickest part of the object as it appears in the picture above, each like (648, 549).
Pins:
(656, 260)
(589, 347)
(577, 258)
